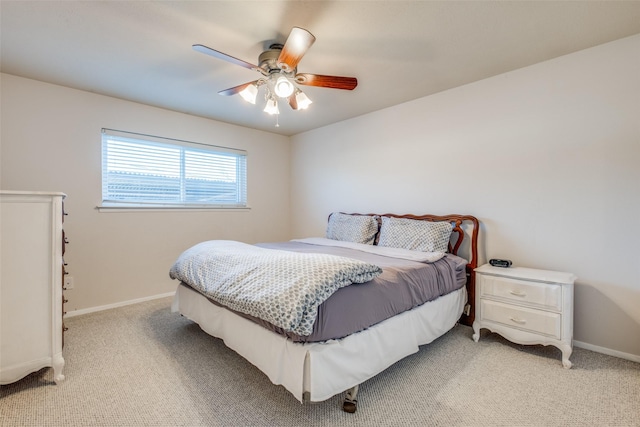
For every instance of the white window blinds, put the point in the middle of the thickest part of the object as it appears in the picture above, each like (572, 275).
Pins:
(147, 170)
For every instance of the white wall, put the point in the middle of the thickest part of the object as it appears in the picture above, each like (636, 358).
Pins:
(547, 157)
(50, 141)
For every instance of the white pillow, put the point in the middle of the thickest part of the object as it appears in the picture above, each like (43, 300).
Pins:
(352, 228)
(415, 235)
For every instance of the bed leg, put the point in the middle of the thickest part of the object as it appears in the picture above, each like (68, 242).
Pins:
(350, 402)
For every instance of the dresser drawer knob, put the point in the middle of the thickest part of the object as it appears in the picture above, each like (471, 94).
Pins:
(518, 321)
(518, 293)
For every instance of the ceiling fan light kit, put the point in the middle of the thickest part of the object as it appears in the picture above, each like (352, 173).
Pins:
(271, 107)
(283, 87)
(278, 66)
(249, 93)
(302, 100)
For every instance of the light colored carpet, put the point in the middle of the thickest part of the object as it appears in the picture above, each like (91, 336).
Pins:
(143, 365)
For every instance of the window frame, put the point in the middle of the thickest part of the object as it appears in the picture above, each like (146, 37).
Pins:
(194, 148)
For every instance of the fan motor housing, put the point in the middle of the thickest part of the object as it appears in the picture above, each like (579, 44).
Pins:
(268, 60)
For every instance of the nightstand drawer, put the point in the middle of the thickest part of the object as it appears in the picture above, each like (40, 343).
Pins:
(538, 321)
(545, 295)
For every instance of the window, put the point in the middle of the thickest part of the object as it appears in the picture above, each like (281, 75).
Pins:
(142, 170)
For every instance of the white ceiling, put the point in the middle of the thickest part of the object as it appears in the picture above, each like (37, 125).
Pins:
(399, 50)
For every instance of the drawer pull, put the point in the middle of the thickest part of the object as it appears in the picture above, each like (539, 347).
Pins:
(518, 321)
(518, 293)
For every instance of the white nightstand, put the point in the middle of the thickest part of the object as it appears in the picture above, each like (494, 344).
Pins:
(526, 306)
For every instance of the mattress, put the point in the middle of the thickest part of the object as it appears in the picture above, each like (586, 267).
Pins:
(403, 285)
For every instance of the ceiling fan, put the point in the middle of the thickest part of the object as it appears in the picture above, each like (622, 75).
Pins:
(279, 68)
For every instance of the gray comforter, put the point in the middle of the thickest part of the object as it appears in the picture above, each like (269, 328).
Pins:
(402, 286)
(283, 288)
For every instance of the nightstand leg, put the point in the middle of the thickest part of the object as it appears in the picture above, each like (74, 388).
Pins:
(566, 353)
(58, 364)
(476, 331)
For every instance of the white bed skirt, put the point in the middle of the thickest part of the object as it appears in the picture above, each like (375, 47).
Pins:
(324, 369)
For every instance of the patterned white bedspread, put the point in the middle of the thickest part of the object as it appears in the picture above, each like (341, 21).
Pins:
(282, 287)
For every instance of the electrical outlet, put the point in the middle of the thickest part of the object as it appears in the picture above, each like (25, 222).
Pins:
(68, 282)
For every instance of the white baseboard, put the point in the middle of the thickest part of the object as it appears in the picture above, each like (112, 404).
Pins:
(117, 304)
(580, 344)
(607, 351)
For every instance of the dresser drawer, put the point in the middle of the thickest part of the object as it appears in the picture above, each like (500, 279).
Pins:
(544, 295)
(537, 321)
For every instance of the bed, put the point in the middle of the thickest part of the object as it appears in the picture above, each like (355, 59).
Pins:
(413, 280)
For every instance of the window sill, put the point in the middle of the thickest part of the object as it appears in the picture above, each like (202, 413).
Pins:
(168, 208)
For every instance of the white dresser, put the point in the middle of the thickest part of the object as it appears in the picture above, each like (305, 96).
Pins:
(31, 280)
(526, 306)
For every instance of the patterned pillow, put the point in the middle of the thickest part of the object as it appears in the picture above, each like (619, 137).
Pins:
(352, 228)
(415, 235)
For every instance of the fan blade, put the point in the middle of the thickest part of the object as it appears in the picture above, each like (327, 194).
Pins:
(297, 44)
(235, 89)
(207, 50)
(334, 82)
(293, 102)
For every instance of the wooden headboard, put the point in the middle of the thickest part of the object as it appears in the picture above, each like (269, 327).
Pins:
(465, 227)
